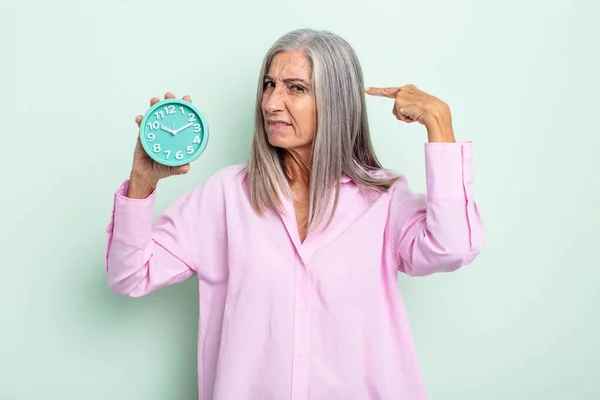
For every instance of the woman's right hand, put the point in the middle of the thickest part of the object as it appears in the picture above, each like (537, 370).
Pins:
(145, 172)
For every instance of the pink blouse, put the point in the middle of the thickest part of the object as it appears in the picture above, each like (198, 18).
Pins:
(318, 320)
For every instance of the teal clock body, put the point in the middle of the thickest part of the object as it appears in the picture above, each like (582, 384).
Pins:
(173, 132)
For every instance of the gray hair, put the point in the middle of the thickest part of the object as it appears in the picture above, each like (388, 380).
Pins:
(342, 143)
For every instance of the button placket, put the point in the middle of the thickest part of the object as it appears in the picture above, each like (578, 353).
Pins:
(301, 329)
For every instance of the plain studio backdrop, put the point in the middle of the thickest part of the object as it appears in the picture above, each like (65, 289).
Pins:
(521, 322)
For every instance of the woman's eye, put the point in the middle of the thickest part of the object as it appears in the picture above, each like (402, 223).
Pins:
(267, 84)
(298, 88)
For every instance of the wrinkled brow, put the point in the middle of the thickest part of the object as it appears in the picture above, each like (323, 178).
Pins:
(289, 80)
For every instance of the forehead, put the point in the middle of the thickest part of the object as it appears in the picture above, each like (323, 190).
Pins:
(290, 64)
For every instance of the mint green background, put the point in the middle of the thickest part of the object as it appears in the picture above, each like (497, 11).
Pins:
(522, 322)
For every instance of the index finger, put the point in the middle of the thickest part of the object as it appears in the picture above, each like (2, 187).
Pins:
(390, 92)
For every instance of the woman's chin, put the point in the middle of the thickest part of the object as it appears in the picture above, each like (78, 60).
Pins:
(285, 140)
(277, 139)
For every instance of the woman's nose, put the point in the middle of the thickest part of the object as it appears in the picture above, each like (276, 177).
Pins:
(275, 102)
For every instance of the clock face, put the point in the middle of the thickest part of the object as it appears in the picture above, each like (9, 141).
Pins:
(173, 132)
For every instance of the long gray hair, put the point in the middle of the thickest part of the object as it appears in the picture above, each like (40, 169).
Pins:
(342, 143)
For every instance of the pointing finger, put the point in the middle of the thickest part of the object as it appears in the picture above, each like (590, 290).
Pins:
(169, 95)
(187, 98)
(384, 92)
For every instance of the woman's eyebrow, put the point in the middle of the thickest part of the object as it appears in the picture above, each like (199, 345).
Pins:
(287, 80)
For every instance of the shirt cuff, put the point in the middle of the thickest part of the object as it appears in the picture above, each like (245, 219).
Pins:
(132, 217)
(449, 171)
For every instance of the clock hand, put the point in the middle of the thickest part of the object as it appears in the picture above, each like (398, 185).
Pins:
(184, 127)
(164, 128)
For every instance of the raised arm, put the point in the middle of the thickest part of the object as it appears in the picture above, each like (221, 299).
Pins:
(442, 230)
(143, 255)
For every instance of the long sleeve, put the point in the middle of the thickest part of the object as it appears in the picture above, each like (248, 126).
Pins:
(143, 256)
(442, 230)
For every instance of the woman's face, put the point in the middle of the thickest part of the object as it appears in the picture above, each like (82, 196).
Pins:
(288, 103)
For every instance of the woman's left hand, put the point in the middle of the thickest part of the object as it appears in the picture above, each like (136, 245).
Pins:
(412, 104)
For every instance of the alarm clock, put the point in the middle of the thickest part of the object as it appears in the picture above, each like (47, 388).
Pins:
(173, 132)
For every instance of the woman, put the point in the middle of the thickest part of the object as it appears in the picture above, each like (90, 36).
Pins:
(297, 252)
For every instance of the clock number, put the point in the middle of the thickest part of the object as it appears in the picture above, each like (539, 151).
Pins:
(159, 114)
(179, 155)
(156, 148)
(168, 153)
(182, 110)
(170, 109)
(192, 117)
(153, 125)
(196, 139)
(151, 137)
(197, 128)
(190, 149)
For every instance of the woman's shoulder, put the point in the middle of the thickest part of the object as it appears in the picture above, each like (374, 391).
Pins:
(229, 174)
(383, 173)
(224, 179)
(393, 178)
(220, 185)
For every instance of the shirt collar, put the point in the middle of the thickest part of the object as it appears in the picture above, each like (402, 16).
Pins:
(344, 178)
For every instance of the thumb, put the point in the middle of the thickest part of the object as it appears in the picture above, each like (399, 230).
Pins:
(167, 171)
(181, 169)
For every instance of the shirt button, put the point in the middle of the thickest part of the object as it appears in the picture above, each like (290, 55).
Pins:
(302, 308)
(301, 353)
